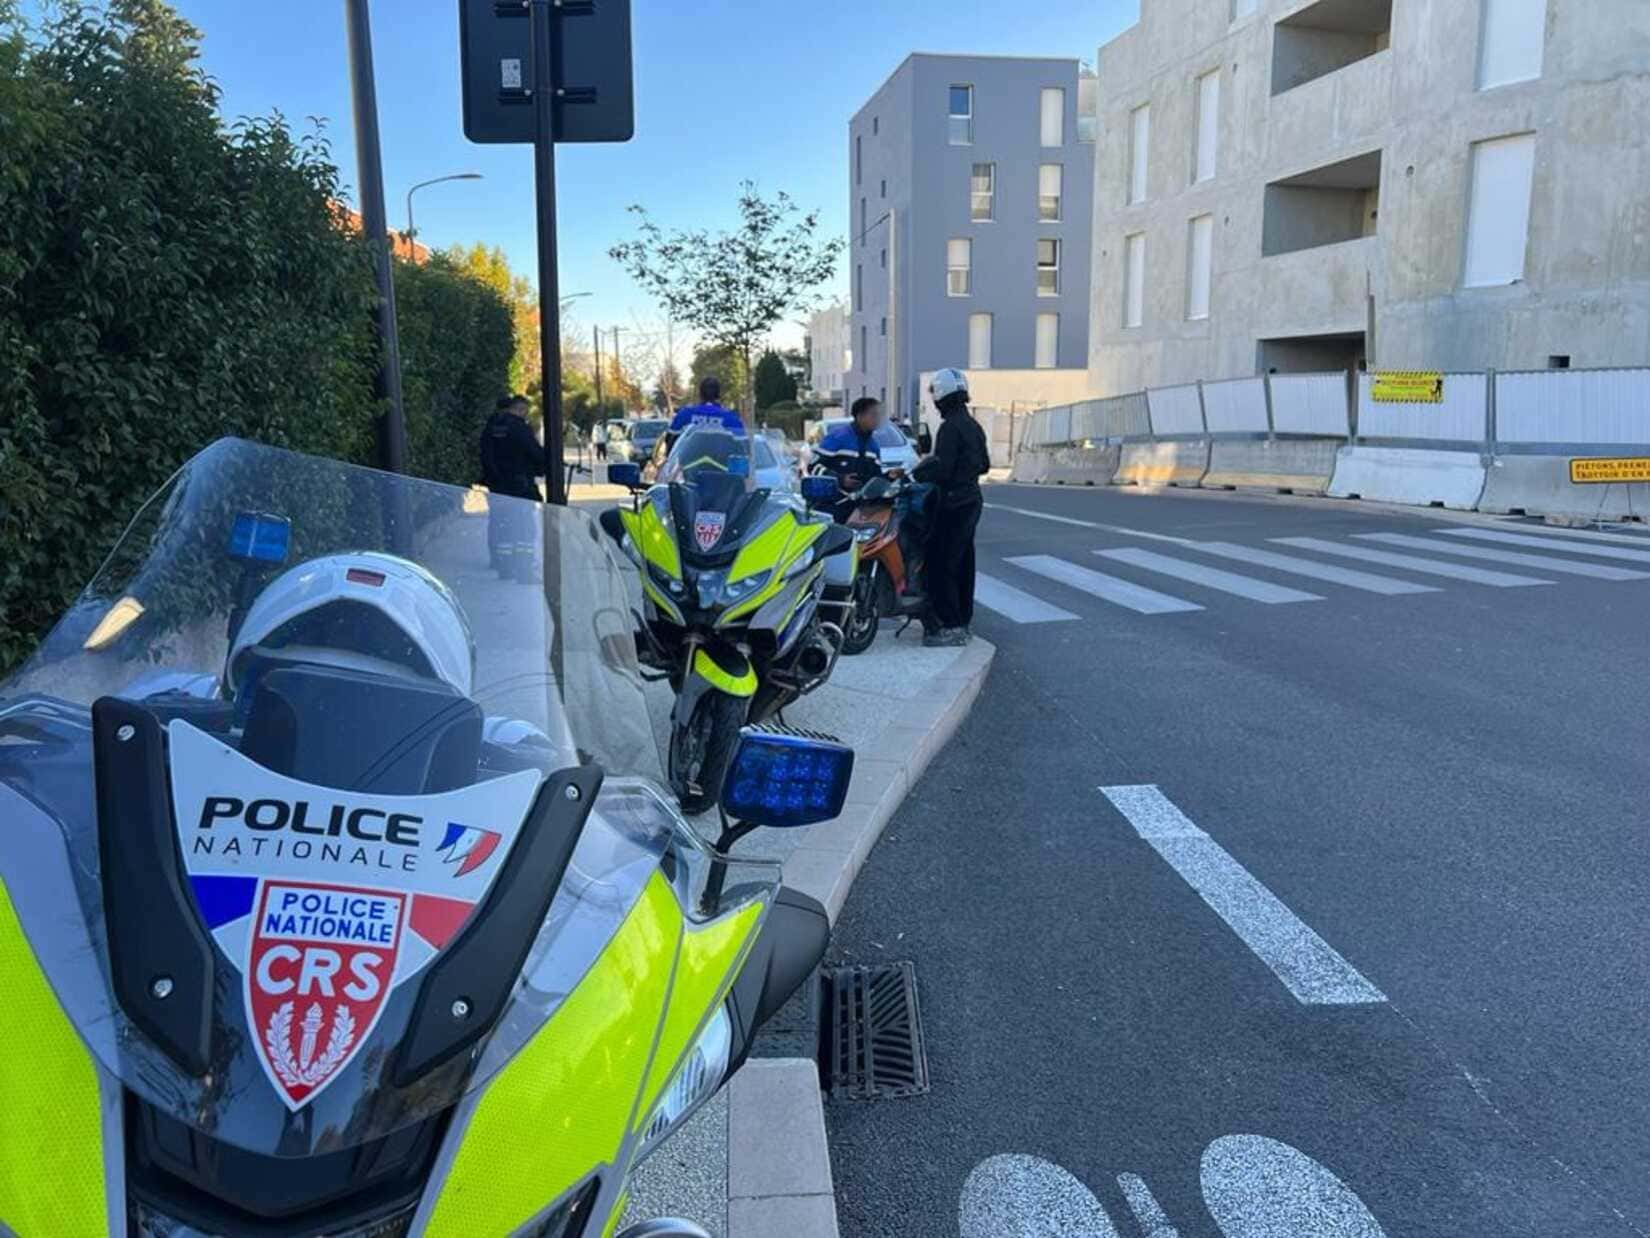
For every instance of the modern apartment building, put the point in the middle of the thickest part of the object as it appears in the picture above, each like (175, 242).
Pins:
(971, 182)
(829, 356)
(1319, 184)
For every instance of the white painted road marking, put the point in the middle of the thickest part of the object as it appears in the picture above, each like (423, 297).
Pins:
(1147, 1212)
(1210, 577)
(1308, 965)
(1017, 1196)
(1432, 567)
(1109, 588)
(1593, 535)
(1350, 577)
(1015, 604)
(1518, 558)
(1090, 524)
(1256, 1187)
(1520, 539)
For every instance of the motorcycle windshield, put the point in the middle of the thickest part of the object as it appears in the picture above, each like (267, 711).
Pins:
(714, 460)
(348, 703)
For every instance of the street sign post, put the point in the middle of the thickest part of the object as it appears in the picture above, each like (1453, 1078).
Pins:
(542, 72)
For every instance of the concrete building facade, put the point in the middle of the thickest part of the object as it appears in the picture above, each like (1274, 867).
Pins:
(970, 182)
(829, 356)
(1298, 185)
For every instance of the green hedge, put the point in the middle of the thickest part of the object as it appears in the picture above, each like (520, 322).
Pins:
(166, 280)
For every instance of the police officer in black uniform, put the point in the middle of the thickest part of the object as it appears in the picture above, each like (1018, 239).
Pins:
(512, 459)
(961, 457)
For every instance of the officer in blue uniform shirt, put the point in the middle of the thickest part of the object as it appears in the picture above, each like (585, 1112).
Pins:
(850, 452)
(708, 412)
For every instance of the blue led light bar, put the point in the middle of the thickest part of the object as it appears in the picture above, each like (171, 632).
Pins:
(259, 538)
(781, 779)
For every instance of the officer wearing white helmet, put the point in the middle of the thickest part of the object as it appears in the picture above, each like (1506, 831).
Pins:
(960, 459)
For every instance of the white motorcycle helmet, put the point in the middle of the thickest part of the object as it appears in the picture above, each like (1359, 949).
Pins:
(363, 611)
(947, 382)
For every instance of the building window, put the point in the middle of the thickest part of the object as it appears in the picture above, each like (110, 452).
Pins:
(1050, 179)
(1240, 10)
(1054, 117)
(864, 226)
(859, 160)
(1498, 215)
(876, 125)
(1134, 280)
(1048, 341)
(864, 347)
(884, 331)
(962, 116)
(979, 341)
(1140, 138)
(1513, 44)
(959, 267)
(1206, 142)
(1048, 267)
(982, 187)
(859, 287)
(1200, 251)
(882, 395)
(885, 260)
(885, 186)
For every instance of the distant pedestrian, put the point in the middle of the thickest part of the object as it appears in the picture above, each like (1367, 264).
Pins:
(512, 460)
(960, 459)
(598, 436)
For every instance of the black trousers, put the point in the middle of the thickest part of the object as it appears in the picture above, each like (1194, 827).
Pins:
(951, 564)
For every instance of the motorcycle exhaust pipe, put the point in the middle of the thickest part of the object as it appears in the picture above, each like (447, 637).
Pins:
(819, 655)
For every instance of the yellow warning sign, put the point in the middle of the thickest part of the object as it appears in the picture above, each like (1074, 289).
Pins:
(1407, 387)
(1604, 471)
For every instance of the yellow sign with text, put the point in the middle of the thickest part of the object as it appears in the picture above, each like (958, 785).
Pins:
(1605, 471)
(1407, 387)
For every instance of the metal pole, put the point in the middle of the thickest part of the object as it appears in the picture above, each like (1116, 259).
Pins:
(618, 363)
(601, 411)
(392, 433)
(544, 182)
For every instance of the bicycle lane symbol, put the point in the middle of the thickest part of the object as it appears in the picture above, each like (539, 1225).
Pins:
(1253, 1187)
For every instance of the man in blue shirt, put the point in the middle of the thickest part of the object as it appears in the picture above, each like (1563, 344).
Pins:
(709, 412)
(850, 453)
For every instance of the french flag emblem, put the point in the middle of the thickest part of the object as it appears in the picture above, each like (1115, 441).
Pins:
(467, 847)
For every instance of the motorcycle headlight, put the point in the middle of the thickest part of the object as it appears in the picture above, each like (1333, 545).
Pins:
(865, 532)
(696, 1081)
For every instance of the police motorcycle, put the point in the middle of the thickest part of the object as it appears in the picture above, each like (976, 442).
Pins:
(338, 892)
(745, 594)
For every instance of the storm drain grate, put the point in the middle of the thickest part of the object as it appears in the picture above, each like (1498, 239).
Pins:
(871, 1034)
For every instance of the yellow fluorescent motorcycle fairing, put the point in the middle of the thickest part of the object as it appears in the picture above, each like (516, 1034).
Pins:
(369, 920)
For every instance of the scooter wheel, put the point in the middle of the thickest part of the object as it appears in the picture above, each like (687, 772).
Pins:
(861, 630)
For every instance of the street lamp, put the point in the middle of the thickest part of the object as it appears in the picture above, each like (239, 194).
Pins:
(456, 176)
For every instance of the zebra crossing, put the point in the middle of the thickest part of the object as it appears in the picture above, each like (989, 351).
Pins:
(1040, 588)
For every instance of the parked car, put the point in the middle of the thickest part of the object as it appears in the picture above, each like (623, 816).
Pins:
(641, 436)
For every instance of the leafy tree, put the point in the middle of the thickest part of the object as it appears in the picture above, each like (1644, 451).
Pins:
(721, 362)
(733, 287)
(488, 265)
(774, 384)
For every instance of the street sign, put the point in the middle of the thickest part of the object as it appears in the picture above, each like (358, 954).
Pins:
(590, 53)
(1407, 387)
(1609, 471)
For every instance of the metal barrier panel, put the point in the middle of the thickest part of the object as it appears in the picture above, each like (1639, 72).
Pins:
(1310, 404)
(1235, 407)
(1573, 406)
(1175, 410)
(1126, 416)
(1059, 425)
(1087, 421)
(1462, 417)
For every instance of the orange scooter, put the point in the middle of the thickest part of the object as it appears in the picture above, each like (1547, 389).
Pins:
(890, 520)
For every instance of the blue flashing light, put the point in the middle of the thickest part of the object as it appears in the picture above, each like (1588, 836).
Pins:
(739, 466)
(260, 538)
(820, 489)
(787, 780)
(629, 475)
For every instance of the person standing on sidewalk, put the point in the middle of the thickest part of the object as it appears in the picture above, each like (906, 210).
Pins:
(960, 459)
(598, 436)
(511, 462)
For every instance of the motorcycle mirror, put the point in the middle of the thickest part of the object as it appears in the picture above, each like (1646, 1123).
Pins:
(820, 489)
(627, 475)
(785, 778)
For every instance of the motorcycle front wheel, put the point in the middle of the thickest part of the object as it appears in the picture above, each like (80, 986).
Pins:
(702, 749)
(861, 630)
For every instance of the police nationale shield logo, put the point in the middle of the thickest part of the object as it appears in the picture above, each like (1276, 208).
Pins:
(707, 528)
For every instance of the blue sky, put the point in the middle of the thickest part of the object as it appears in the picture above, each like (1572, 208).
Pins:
(726, 89)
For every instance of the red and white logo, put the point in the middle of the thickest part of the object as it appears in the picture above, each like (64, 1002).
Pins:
(320, 961)
(707, 528)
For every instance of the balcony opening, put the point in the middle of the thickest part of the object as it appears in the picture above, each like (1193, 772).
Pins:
(1327, 36)
(1312, 354)
(1337, 202)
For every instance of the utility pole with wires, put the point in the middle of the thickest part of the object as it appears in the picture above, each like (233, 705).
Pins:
(601, 408)
(618, 363)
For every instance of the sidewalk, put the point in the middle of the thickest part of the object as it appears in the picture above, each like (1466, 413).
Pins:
(754, 1162)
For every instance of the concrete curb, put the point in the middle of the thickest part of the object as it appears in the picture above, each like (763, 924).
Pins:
(779, 1163)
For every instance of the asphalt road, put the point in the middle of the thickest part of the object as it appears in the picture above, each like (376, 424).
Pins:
(1369, 960)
